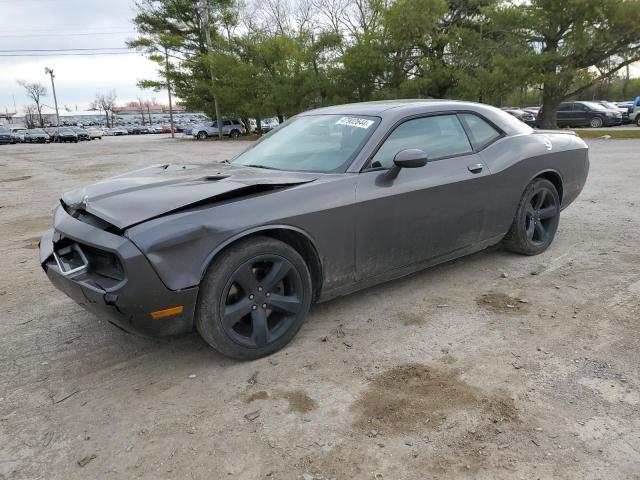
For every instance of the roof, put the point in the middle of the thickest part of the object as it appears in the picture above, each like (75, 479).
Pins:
(392, 111)
(380, 106)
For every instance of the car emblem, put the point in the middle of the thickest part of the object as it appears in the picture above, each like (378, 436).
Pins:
(84, 202)
(547, 143)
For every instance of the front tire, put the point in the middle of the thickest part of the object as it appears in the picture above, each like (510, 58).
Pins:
(536, 221)
(202, 135)
(638, 121)
(253, 298)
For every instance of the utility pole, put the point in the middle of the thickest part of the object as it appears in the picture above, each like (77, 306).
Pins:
(49, 71)
(205, 26)
(166, 63)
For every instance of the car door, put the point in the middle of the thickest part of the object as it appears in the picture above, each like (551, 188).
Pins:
(564, 116)
(423, 213)
(582, 115)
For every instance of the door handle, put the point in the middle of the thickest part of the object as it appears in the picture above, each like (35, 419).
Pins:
(475, 168)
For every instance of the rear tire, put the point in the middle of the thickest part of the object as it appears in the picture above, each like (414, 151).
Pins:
(253, 298)
(638, 121)
(595, 122)
(536, 221)
(234, 133)
(202, 135)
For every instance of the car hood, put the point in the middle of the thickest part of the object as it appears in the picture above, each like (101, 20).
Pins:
(135, 197)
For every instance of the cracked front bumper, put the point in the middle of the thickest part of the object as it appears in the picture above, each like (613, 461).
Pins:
(112, 278)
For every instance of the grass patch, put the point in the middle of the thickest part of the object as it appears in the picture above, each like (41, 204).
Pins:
(252, 137)
(611, 132)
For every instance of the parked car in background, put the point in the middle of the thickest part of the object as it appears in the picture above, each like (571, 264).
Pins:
(95, 133)
(230, 128)
(118, 131)
(82, 134)
(36, 135)
(65, 134)
(624, 111)
(6, 137)
(18, 134)
(522, 115)
(166, 129)
(634, 111)
(269, 123)
(584, 114)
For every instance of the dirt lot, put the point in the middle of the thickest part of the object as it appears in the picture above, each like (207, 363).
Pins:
(495, 366)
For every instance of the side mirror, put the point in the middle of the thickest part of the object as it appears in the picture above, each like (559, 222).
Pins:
(409, 158)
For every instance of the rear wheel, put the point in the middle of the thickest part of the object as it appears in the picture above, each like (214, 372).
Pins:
(234, 133)
(536, 220)
(638, 120)
(595, 122)
(202, 135)
(254, 298)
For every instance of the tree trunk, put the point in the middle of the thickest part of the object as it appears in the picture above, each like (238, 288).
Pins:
(550, 104)
(40, 115)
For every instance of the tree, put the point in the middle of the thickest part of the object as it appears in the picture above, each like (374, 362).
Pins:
(574, 44)
(35, 91)
(177, 25)
(106, 102)
(30, 116)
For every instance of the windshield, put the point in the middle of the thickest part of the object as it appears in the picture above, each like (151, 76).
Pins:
(311, 143)
(595, 106)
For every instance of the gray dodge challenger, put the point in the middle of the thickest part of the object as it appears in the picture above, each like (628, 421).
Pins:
(334, 200)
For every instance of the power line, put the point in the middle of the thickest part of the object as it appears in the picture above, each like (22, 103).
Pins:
(22, 50)
(64, 54)
(65, 34)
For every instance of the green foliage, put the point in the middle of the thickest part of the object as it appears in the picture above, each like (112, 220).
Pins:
(286, 57)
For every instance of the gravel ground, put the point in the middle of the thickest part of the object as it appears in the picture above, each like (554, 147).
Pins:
(495, 366)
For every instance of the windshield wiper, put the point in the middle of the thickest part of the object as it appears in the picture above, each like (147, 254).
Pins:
(261, 166)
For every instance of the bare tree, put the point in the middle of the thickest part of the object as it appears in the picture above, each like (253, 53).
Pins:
(30, 116)
(106, 103)
(141, 105)
(35, 91)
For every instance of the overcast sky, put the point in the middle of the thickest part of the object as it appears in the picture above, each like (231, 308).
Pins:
(67, 24)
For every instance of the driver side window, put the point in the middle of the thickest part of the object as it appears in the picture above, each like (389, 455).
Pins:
(438, 136)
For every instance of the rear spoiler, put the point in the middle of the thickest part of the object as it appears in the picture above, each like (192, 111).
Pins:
(547, 132)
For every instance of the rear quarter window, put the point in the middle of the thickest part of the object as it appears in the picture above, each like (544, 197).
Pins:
(481, 132)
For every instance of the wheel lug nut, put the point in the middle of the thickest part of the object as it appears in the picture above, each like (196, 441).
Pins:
(259, 289)
(264, 305)
(253, 307)
(251, 297)
(267, 294)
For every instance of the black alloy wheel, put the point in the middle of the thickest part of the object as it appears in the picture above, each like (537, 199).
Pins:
(536, 220)
(254, 298)
(261, 300)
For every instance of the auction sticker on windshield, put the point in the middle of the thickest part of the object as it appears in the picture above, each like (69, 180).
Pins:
(355, 122)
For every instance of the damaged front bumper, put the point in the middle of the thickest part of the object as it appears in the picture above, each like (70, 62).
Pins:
(109, 276)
